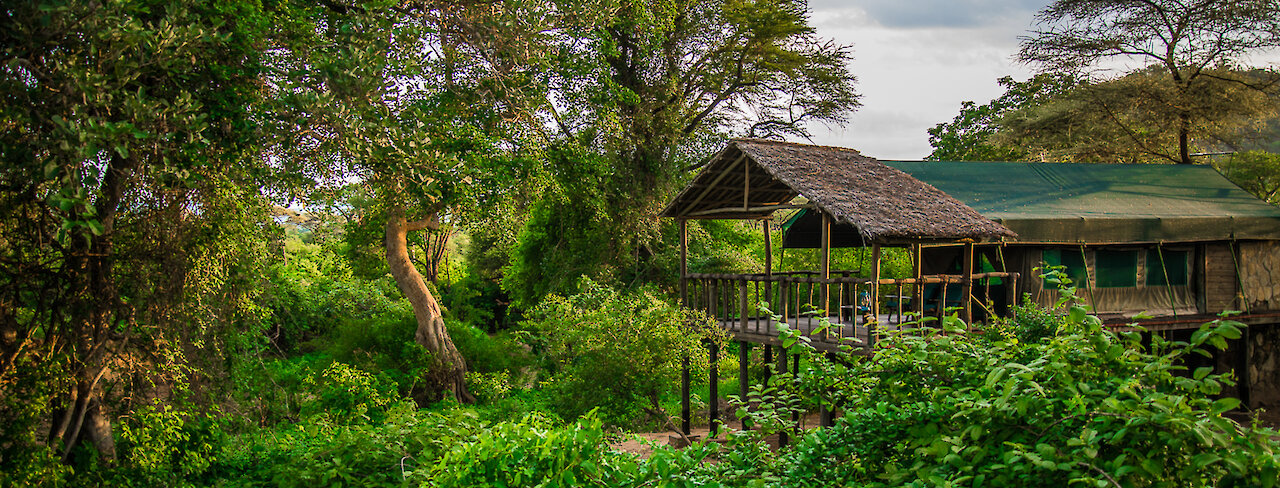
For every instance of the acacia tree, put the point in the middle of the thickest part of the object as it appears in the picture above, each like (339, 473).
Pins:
(1127, 119)
(1193, 43)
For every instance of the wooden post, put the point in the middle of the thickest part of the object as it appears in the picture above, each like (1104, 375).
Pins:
(873, 329)
(685, 419)
(782, 369)
(825, 271)
(826, 415)
(966, 285)
(768, 249)
(713, 403)
(768, 360)
(795, 369)
(1242, 369)
(744, 380)
(684, 262)
(917, 263)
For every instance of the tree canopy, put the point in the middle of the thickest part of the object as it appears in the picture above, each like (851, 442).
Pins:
(1192, 47)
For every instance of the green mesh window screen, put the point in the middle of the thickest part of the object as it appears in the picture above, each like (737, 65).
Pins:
(1116, 269)
(1074, 262)
(1175, 267)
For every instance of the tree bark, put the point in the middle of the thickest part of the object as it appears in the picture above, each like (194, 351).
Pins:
(1184, 138)
(431, 334)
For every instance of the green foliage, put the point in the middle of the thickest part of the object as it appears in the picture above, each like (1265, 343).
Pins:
(618, 352)
(968, 137)
(161, 445)
(531, 453)
(347, 394)
(319, 451)
(485, 353)
(1085, 405)
(1194, 85)
(1257, 172)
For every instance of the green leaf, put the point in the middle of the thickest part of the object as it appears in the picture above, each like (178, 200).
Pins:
(1202, 372)
(1222, 405)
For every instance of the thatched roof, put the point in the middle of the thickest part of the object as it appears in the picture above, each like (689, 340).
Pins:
(753, 178)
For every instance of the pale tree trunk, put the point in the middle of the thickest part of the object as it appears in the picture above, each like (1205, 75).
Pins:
(450, 370)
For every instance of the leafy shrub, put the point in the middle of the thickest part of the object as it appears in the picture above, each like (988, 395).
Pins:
(489, 386)
(383, 343)
(320, 452)
(160, 445)
(489, 353)
(531, 453)
(1086, 405)
(347, 394)
(618, 351)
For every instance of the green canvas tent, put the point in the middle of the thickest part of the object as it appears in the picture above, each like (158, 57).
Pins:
(1103, 203)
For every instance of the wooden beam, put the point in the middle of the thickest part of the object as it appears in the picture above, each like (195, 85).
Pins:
(741, 159)
(738, 210)
(746, 186)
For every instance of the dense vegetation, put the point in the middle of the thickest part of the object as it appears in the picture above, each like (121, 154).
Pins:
(375, 243)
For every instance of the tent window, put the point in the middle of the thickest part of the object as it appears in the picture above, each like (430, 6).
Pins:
(1073, 260)
(1175, 266)
(1117, 269)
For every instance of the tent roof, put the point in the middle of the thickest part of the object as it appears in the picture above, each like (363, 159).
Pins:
(752, 178)
(1103, 203)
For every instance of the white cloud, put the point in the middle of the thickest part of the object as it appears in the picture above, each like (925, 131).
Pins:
(916, 61)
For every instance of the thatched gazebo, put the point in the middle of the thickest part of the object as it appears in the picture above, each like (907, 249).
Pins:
(836, 197)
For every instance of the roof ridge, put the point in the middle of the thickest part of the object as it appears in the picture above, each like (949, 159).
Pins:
(757, 140)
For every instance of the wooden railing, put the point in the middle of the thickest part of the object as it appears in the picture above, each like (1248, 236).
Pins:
(803, 299)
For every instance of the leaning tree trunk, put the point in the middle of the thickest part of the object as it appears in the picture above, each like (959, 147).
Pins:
(431, 334)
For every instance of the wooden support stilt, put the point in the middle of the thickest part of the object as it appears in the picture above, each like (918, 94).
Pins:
(1242, 367)
(744, 379)
(768, 360)
(713, 403)
(917, 264)
(795, 369)
(685, 418)
(782, 369)
(873, 326)
(825, 271)
(768, 249)
(827, 415)
(966, 286)
(684, 262)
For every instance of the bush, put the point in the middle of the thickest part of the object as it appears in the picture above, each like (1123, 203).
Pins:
(490, 353)
(161, 446)
(1085, 405)
(618, 352)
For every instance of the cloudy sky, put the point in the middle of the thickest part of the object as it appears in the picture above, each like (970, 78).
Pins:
(916, 60)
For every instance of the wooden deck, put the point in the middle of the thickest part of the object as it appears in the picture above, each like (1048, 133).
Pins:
(852, 332)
